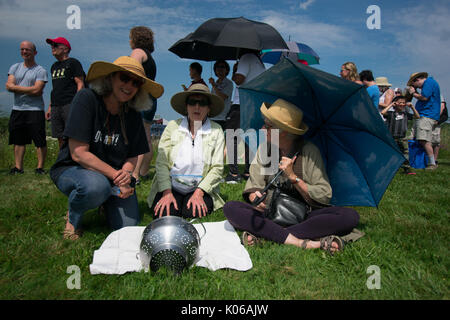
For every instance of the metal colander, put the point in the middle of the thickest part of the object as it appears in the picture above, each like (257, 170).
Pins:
(170, 242)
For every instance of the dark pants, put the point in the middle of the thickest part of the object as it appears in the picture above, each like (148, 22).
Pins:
(319, 223)
(233, 121)
(182, 200)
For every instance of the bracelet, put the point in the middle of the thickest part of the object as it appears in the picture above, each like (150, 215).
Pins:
(297, 179)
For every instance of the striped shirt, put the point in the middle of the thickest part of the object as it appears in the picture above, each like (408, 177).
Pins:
(397, 123)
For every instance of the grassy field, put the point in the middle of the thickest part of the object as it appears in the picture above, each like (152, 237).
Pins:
(406, 238)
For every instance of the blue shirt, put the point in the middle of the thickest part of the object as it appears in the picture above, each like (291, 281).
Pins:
(374, 94)
(432, 107)
(27, 77)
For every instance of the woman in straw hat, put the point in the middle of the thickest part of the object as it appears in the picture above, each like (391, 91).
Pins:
(103, 137)
(189, 165)
(387, 94)
(305, 178)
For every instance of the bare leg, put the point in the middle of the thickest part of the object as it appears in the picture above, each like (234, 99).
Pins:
(41, 155)
(19, 154)
(143, 161)
(428, 149)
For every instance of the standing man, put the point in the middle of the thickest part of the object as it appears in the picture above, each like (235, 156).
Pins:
(248, 67)
(429, 107)
(27, 121)
(368, 81)
(67, 80)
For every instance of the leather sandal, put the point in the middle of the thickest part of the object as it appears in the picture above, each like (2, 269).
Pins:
(326, 244)
(305, 243)
(245, 235)
(72, 235)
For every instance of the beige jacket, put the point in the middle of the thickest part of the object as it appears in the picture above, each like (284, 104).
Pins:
(310, 169)
(213, 145)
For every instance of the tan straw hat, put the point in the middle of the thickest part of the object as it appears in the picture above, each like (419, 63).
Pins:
(416, 75)
(285, 116)
(178, 101)
(382, 81)
(100, 69)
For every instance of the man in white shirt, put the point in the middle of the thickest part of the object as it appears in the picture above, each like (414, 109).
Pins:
(248, 67)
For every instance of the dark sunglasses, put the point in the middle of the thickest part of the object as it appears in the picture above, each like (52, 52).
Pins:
(125, 78)
(200, 102)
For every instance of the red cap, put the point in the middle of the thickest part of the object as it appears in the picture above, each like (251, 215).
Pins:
(60, 40)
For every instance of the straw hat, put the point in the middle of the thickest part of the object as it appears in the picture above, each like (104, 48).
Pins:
(100, 69)
(178, 101)
(285, 116)
(416, 75)
(382, 81)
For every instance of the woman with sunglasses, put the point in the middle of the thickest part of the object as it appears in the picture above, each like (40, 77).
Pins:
(189, 165)
(350, 72)
(102, 139)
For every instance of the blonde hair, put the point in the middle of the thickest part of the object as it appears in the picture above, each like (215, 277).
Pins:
(353, 71)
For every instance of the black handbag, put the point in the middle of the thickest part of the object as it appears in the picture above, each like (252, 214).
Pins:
(286, 210)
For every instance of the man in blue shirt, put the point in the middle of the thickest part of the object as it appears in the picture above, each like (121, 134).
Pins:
(429, 106)
(367, 79)
(27, 121)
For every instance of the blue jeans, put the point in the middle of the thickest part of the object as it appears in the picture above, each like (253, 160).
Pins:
(87, 190)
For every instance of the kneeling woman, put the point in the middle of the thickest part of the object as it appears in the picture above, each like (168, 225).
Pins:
(189, 165)
(305, 177)
(103, 137)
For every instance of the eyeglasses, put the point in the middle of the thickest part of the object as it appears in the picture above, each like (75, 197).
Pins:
(125, 78)
(200, 102)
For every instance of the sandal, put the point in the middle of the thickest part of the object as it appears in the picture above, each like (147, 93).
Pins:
(304, 243)
(326, 244)
(245, 235)
(72, 235)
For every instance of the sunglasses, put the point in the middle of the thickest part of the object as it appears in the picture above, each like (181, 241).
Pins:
(125, 78)
(55, 45)
(200, 102)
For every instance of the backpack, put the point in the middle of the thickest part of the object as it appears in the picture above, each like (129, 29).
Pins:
(444, 115)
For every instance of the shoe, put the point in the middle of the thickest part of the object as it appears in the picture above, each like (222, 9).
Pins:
(245, 176)
(326, 242)
(431, 167)
(230, 179)
(14, 171)
(255, 240)
(40, 171)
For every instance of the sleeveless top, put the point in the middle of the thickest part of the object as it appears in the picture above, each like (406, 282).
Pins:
(149, 65)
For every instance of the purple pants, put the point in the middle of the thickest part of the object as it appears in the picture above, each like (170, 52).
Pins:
(319, 223)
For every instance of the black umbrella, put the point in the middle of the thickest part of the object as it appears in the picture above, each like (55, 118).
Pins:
(222, 38)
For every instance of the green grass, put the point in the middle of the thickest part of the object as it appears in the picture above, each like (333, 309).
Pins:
(406, 237)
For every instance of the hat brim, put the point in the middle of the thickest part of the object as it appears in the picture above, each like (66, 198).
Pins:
(101, 69)
(410, 81)
(280, 125)
(178, 102)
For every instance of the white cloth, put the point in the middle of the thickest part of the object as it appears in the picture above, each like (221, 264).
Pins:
(187, 170)
(226, 87)
(220, 248)
(250, 67)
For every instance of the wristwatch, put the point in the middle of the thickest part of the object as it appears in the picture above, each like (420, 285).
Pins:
(132, 182)
(297, 179)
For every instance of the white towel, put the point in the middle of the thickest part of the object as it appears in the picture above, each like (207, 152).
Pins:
(220, 248)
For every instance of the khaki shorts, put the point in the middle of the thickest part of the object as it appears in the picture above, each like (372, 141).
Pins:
(423, 128)
(436, 136)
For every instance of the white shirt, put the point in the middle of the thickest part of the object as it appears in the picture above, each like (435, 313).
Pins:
(250, 67)
(226, 87)
(187, 170)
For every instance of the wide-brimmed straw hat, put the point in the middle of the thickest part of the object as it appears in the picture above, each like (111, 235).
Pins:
(416, 75)
(178, 101)
(285, 116)
(100, 69)
(382, 81)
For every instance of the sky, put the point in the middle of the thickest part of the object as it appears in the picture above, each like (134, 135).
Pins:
(412, 35)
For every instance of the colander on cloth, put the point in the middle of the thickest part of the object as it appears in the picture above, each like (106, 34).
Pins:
(170, 242)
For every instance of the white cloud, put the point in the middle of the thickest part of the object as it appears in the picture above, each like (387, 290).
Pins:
(305, 4)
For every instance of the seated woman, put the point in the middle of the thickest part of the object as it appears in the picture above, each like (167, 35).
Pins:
(103, 137)
(306, 179)
(189, 165)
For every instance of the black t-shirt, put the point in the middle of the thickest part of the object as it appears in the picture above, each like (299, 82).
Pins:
(90, 122)
(63, 82)
(149, 65)
(397, 123)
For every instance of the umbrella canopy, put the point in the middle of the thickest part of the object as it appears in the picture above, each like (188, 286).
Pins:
(359, 153)
(297, 51)
(222, 38)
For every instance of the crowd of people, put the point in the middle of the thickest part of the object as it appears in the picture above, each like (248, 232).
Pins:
(102, 123)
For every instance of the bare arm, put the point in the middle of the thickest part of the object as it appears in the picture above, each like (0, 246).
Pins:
(35, 90)
(80, 83)
(139, 55)
(416, 114)
(386, 109)
(387, 99)
(238, 79)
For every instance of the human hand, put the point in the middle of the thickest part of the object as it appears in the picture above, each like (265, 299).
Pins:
(260, 207)
(48, 115)
(411, 90)
(125, 192)
(211, 81)
(286, 165)
(121, 178)
(184, 87)
(164, 203)
(198, 204)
